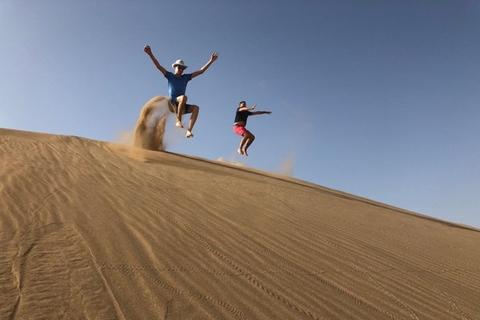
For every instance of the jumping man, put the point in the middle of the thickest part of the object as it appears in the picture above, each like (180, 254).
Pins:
(243, 112)
(177, 85)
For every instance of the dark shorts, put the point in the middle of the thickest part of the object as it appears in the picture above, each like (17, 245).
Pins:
(173, 107)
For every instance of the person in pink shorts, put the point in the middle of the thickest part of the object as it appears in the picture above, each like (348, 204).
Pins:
(243, 112)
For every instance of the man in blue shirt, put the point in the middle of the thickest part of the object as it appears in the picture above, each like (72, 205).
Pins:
(177, 85)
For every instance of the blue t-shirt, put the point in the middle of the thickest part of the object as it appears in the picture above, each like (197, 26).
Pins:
(177, 85)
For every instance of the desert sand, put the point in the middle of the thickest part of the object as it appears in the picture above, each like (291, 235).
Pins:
(96, 230)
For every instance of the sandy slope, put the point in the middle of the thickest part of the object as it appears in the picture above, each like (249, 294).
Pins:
(92, 230)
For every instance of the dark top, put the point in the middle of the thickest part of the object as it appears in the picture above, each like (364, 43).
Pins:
(241, 116)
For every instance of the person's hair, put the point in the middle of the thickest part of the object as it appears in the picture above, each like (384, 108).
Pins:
(241, 102)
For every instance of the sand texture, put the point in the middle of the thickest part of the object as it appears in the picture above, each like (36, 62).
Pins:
(93, 230)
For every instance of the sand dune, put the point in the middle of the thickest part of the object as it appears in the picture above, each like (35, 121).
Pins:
(93, 230)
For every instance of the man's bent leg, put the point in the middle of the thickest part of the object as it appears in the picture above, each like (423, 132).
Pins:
(193, 118)
(250, 139)
(242, 143)
(182, 101)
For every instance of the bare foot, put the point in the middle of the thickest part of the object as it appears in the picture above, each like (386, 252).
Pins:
(245, 152)
(240, 151)
(189, 134)
(179, 124)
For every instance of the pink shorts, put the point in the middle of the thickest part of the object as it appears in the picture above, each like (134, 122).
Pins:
(240, 130)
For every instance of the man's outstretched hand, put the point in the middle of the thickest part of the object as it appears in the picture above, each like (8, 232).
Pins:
(214, 56)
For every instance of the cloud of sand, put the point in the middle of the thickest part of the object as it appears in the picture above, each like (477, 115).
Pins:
(230, 161)
(149, 132)
(126, 137)
(286, 167)
(150, 128)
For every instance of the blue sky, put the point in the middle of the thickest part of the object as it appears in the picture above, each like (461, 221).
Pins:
(375, 98)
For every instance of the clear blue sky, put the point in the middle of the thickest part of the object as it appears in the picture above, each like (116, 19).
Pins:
(375, 98)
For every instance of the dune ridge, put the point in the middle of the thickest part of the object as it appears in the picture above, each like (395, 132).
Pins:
(95, 230)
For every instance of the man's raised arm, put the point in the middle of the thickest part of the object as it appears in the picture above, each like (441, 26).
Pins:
(148, 50)
(205, 67)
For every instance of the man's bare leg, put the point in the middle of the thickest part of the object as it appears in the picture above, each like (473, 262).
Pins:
(193, 118)
(250, 139)
(182, 100)
(242, 143)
